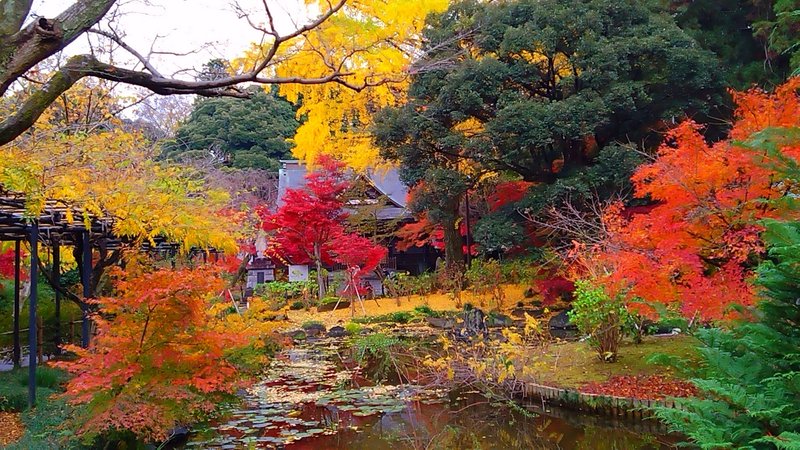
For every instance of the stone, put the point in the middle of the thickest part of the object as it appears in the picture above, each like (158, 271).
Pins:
(498, 320)
(297, 335)
(440, 322)
(520, 312)
(561, 322)
(474, 322)
(314, 329)
(337, 332)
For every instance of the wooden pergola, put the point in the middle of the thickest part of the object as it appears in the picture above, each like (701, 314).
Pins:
(54, 227)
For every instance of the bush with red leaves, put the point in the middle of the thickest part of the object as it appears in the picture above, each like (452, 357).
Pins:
(555, 289)
(647, 387)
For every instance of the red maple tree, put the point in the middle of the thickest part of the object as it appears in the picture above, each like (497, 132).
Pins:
(696, 246)
(7, 265)
(158, 358)
(309, 226)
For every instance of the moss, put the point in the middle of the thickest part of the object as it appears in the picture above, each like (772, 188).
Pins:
(573, 364)
(312, 324)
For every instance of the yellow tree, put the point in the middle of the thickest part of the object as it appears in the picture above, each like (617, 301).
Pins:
(80, 156)
(371, 44)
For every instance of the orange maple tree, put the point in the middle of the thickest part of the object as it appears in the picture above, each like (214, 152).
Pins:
(696, 246)
(158, 358)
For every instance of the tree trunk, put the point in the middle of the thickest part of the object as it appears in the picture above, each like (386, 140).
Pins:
(453, 244)
(320, 282)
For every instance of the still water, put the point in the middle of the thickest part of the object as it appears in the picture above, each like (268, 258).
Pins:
(309, 400)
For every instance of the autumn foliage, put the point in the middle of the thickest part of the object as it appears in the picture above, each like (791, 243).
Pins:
(697, 245)
(508, 192)
(159, 356)
(309, 226)
(7, 264)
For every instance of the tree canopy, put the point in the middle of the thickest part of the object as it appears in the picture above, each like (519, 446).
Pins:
(539, 88)
(240, 133)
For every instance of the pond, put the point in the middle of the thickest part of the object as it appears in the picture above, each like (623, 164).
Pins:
(309, 399)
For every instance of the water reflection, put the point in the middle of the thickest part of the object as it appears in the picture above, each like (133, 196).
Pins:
(306, 402)
(474, 423)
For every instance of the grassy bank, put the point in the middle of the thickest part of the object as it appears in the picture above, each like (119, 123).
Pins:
(574, 364)
(43, 424)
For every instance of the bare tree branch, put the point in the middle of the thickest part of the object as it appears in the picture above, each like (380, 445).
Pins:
(114, 37)
(42, 38)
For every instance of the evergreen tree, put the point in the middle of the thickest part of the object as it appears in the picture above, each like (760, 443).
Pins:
(538, 89)
(240, 133)
(738, 32)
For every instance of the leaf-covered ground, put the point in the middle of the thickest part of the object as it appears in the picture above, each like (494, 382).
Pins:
(11, 428)
(437, 302)
(648, 387)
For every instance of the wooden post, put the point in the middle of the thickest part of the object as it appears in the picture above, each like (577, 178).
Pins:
(32, 326)
(56, 285)
(17, 349)
(40, 338)
(86, 281)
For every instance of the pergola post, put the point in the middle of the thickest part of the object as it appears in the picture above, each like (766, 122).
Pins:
(56, 269)
(32, 328)
(17, 355)
(86, 280)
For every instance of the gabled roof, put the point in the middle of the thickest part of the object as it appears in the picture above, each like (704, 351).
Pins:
(292, 175)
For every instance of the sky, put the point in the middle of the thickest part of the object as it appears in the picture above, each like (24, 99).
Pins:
(210, 26)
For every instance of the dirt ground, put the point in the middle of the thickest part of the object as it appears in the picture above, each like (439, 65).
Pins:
(437, 302)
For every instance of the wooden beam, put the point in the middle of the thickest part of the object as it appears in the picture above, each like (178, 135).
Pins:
(17, 350)
(56, 268)
(32, 325)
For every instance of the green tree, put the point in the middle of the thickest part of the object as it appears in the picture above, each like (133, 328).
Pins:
(538, 89)
(738, 33)
(782, 32)
(242, 133)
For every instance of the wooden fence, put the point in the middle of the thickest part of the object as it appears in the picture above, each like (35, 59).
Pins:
(609, 405)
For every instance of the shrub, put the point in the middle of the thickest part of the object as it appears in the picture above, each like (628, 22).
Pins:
(284, 289)
(353, 328)
(394, 317)
(423, 284)
(297, 304)
(376, 353)
(600, 317)
(311, 324)
(484, 278)
(426, 311)
(14, 386)
(330, 300)
(556, 289)
(519, 270)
